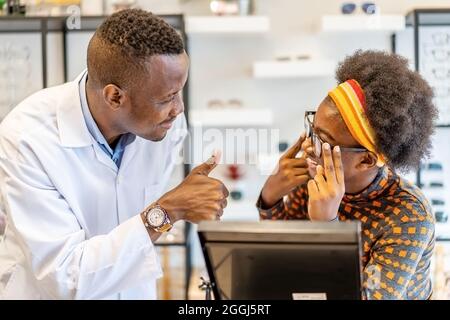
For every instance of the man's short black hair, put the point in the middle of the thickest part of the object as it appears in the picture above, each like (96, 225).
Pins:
(124, 42)
(399, 105)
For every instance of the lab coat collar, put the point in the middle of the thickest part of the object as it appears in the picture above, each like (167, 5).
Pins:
(73, 131)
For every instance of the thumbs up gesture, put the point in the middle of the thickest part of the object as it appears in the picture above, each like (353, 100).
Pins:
(198, 197)
(290, 173)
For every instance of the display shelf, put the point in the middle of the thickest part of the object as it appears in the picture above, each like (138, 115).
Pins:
(239, 117)
(227, 25)
(359, 23)
(294, 69)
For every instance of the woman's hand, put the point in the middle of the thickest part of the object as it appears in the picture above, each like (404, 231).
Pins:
(290, 173)
(327, 188)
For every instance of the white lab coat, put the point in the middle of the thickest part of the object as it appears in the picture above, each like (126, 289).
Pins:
(73, 225)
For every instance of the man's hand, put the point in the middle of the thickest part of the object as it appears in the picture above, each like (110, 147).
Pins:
(198, 197)
(327, 188)
(291, 172)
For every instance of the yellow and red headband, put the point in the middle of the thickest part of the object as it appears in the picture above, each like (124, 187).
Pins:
(351, 102)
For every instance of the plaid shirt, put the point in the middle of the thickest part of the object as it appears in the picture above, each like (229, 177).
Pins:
(397, 234)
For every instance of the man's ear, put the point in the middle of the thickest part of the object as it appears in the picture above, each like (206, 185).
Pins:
(114, 96)
(367, 160)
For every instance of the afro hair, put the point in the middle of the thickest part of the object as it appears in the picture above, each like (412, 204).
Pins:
(399, 102)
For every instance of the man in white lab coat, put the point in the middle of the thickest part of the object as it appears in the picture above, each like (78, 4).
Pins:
(83, 166)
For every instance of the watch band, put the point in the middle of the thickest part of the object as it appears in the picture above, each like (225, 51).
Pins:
(165, 227)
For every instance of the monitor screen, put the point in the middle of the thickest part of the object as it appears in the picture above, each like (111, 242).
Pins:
(282, 259)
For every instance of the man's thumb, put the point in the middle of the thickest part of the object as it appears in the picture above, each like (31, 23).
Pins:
(208, 166)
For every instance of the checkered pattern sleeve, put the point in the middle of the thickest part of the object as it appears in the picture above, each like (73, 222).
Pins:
(293, 206)
(393, 270)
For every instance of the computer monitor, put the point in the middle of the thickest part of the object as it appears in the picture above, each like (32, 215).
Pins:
(282, 259)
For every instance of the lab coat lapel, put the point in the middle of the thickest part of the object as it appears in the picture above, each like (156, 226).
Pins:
(104, 158)
(73, 131)
(130, 151)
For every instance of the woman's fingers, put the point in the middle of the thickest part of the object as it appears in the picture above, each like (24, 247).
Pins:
(313, 190)
(338, 167)
(320, 179)
(292, 152)
(297, 163)
(300, 171)
(329, 173)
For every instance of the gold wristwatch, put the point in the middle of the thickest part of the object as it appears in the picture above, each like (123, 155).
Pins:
(157, 219)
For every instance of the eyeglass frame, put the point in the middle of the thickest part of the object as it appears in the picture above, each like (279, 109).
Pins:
(309, 127)
(222, 104)
(369, 8)
(440, 76)
(435, 53)
(440, 36)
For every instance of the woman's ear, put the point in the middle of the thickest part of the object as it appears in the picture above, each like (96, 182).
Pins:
(367, 160)
(114, 96)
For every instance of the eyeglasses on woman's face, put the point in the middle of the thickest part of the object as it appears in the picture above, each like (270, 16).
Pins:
(316, 141)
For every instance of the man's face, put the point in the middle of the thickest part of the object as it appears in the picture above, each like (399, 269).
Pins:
(155, 102)
(331, 128)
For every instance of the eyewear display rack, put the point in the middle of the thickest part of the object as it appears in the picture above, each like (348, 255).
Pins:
(426, 42)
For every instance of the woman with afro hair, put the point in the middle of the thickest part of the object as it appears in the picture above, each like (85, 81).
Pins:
(376, 123)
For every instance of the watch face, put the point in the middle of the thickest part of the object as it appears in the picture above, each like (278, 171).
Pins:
(156, 217)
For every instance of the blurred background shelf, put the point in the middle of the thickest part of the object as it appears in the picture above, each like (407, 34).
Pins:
(294, 69)
(227, 25)
(241, 210)
(231, 117)
(443, 231)
(359, 23)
